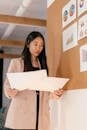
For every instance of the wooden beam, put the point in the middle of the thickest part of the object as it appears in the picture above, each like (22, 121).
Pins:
(11, 43)
(2, 55)
(22, 20)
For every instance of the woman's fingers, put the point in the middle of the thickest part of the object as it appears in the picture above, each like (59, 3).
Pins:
(59, 92)
(13, 92)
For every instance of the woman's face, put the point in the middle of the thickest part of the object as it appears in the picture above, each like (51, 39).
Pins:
(36, 46)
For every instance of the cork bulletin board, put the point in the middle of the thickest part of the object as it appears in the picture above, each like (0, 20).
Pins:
(65, 63)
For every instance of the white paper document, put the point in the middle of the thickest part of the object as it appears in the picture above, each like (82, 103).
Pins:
(68, 12)
(82, 27)
(49, 3)
(82, 6)
(35, 80)
(83, 58)
(70, 37)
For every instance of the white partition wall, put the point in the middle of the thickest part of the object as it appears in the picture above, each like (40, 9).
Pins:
(70, 111)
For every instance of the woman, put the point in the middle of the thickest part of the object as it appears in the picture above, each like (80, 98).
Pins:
(29, 109)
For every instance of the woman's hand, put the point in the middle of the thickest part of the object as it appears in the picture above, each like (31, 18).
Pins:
(12, 92)
(57, 93)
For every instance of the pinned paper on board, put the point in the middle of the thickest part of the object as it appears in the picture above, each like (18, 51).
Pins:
(49, 3)
(83, 58)
(36, 80)
(82, 6)
(82, 27)
(70, 37)
(69, 12)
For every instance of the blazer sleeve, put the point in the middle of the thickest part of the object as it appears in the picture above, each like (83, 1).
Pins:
(11, 68)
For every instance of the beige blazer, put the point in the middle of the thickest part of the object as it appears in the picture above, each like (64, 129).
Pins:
(22, 110)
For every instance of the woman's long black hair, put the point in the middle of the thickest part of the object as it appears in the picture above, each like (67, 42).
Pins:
(27, 55)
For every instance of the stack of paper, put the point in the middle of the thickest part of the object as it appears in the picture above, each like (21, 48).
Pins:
(35, 80)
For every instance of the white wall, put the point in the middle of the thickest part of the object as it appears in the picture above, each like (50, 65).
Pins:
(70, 111)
